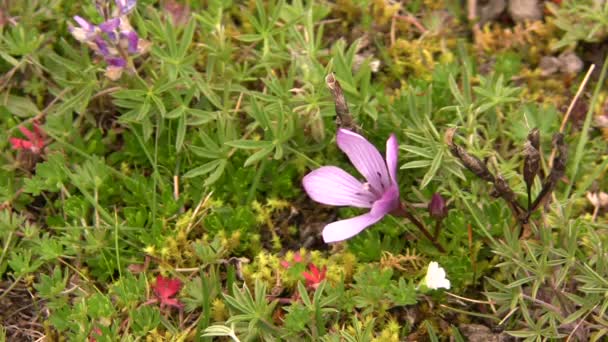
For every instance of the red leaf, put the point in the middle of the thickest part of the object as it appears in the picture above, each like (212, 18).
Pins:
(165, 288)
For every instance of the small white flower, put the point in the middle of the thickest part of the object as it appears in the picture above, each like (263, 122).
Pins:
(435, 277)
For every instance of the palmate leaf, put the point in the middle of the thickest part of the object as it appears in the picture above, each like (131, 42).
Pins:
(214, 168)
(254, 310)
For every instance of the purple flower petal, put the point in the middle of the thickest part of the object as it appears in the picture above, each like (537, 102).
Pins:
(110, 26)
(365, 157)
(132, 40)
(345, 229)
(116, 61)
(103, 46)
(388, 202)
(333, 186)
(84, 23)
(392, 149)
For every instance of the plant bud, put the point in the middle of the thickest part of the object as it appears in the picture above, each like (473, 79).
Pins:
(531, 162)
(437, 207)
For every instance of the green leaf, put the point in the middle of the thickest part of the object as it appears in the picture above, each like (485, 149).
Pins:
(249, 144)
(433, 170)
(416, 164)
(181, 133)
(259, 155)
(20, 106)
(204, 169)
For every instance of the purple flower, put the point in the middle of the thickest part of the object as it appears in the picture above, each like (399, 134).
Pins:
(333, 186)
(114, 39)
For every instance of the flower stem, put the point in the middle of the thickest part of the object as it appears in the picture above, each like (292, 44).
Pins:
(405, 211)
(437, 228)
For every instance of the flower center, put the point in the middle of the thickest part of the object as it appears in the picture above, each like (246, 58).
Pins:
(370, 188)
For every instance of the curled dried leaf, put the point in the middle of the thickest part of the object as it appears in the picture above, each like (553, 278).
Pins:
(531, 163)
(343, 117)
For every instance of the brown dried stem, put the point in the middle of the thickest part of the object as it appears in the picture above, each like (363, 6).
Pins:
(557, 172)
(479, 168)
(531, 167)
(531, 161)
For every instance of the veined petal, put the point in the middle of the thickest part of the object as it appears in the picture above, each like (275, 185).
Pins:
(345, 229)
(392, 149)
(365, 157)
(333, 186)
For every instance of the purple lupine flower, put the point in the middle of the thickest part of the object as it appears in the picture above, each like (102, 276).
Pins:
(333, 186)
(114, 39)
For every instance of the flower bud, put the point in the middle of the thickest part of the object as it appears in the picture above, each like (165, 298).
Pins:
(437, 207)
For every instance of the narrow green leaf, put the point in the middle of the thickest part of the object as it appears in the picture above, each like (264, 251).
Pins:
(259, 155)
(204, 169)
(416, 164)
(433, 170)
(181, 133)
(250, 144)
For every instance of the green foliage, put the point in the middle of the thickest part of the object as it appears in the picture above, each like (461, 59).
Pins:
(581, 21)
(253, 310)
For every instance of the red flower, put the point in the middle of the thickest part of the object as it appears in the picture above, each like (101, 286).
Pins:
(96, 332)
(34, 141)
(166, 288)
(297, 258)
(314, 277)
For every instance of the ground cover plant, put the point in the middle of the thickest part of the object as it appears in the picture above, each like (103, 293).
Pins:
(306, 170)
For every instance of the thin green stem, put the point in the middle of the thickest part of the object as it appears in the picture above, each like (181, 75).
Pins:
(256, 180)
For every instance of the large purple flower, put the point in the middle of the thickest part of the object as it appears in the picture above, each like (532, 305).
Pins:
(333, 186)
